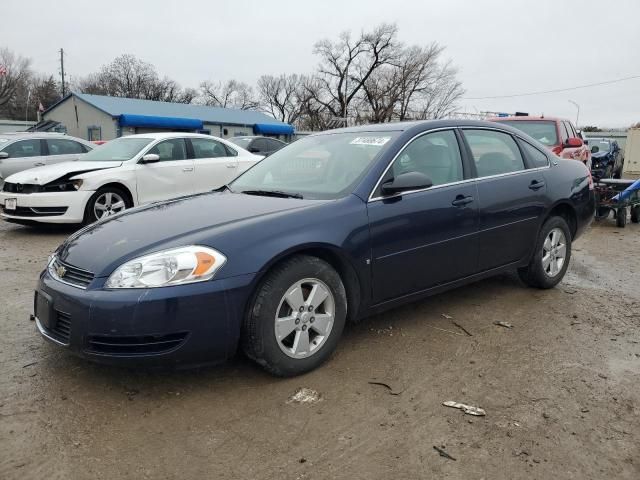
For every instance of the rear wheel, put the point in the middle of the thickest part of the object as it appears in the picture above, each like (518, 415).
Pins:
(296, 318)
(621, 217)
(635, 214)
(551, 257)
(105, 202)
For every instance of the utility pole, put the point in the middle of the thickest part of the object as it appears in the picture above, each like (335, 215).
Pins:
(64, 90)
(578, 112)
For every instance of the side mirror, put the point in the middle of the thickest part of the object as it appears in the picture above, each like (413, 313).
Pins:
(150, 158)
(3, 155)
(406, 182)
(595, 149)
(573, 142)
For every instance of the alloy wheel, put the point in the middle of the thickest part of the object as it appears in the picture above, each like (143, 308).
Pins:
(554, 251)
(304, 318)
(107, 204)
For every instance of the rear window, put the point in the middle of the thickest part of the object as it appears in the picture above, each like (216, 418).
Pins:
(543, 131)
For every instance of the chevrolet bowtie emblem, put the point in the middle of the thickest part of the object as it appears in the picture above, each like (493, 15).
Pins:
(61, 271)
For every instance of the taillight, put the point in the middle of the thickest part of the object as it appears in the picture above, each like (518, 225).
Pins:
(557, 149)
(590, 180)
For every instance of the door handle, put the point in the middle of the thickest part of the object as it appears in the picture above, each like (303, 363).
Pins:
(187, 169)
(461, 201)
(39, 164)
(231, 165)
(536, 184)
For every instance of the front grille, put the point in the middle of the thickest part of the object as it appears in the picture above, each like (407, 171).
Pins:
(21, 188)
(36, 211)
(135, 345)
(62, 327)
(69, 274)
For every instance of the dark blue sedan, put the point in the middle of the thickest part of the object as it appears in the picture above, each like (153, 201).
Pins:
(330, 229)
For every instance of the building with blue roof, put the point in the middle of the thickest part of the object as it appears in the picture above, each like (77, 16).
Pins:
(100, 117)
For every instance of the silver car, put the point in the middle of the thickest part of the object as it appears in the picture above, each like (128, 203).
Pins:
(23, 150)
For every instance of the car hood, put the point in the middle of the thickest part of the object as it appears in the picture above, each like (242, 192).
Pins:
(599, 155)
(199, 219)
(48, 173)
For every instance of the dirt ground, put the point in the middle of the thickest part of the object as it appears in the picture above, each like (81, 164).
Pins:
(561, 389)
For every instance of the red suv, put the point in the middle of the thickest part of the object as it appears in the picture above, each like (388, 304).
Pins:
(559, 135)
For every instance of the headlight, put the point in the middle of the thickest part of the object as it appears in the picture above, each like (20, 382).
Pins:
(62, 186)
(168, 267)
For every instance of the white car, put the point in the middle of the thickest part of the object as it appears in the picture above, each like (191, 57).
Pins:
(123, 173)
(23, 150)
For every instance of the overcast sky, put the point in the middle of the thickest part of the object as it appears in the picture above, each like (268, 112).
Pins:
(500, 47)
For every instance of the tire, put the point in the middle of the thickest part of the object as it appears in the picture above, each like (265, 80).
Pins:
(635, 214)
(289, 354)
(543, 271)
(621, 217)
(111, 198)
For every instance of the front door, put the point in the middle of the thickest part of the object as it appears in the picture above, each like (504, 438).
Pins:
(214, 165)
(171, 177)
(511, 197)
(425, 238)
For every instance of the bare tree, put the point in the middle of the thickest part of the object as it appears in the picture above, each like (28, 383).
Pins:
(130, 77)
(231, 94)
(346, 65)
(15, 72)
(440, 98)
(282, 97)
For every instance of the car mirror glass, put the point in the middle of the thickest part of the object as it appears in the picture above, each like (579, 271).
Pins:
(150, 158)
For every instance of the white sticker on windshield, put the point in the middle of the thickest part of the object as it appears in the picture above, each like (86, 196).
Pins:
(374, 141)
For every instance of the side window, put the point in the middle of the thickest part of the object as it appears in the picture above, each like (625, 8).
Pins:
(494, 152)
(174, 149)
(536, 157)
(435, 155)
(274, 145)
(230, 151)
(204, 148)
(564, 135)
(570, 131)
(261, 144)
(64, 147)
(24, 148)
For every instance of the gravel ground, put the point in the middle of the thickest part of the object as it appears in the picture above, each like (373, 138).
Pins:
(560, 389)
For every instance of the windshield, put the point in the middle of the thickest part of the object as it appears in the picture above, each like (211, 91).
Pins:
(603, 145)
(118, 150)
(317, 167)
(242, 142)
(544, 132)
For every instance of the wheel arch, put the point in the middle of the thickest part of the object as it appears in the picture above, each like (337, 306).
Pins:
(120, 186)
(566, 211)
(330, 254)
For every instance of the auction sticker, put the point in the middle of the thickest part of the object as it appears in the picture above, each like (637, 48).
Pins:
(373, 141)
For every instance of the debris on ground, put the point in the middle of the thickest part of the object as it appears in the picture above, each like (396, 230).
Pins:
(393, 389)
(462, 328)
(304, 395)
(443, 453)
(448, 317)
(445, 330)
(570, 291)
(468, 409)
(503, 324)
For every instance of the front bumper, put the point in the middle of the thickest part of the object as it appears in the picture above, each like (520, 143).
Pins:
(182, 325)
(37, 207)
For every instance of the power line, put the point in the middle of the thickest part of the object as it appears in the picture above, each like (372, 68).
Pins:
(554, 91)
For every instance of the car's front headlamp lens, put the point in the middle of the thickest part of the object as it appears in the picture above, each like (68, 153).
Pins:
(169, 267)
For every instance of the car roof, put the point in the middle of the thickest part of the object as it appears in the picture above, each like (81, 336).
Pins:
(17, 135)
(530, 118)
(161, 135)
(419, 125)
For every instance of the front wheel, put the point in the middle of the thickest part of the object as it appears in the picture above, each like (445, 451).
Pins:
(551, 257)
(296, 317)
(105, 202)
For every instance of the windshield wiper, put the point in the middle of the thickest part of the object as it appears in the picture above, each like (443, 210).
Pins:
(272, 193)
(222, 189)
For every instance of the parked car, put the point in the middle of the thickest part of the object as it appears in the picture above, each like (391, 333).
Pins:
(335, 227)
(558, 135)
(23, 150)
(121, 174)
(259, 145)
(607, 160)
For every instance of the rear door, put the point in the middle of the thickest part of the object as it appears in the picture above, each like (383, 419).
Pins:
(425, 238)
(172, 176)
(23, 154)
(213, 163)
(511, 197)
(63, 150)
